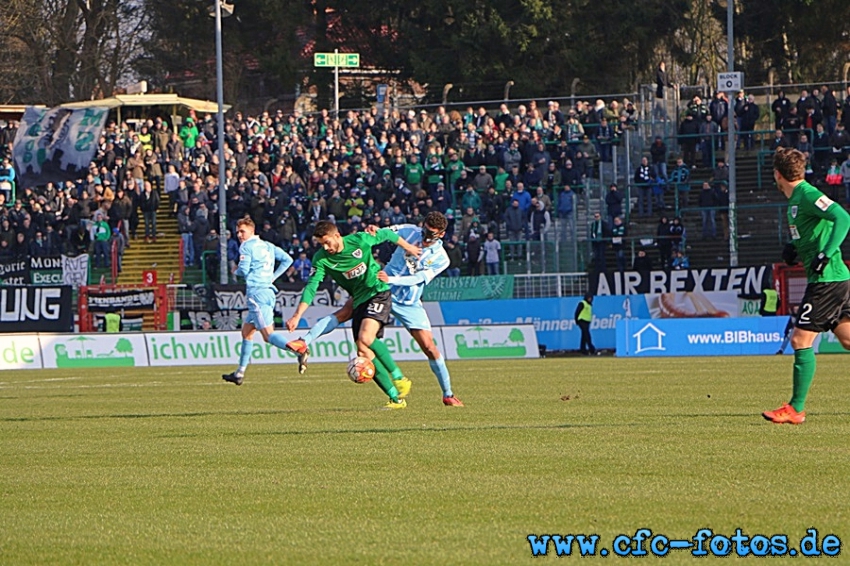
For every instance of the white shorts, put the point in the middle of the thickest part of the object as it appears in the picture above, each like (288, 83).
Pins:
(412, 317)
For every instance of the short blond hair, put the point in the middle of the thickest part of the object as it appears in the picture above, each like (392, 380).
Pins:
(246, 221)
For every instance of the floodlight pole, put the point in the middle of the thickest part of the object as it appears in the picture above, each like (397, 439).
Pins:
(336, 83)
(222, 191)
(730, 140)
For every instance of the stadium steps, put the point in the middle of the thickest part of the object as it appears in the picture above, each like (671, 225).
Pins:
(162, 256)
(760, 222)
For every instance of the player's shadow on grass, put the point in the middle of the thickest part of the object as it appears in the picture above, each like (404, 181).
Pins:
(412, 429)
(754, 414)
(187, 415)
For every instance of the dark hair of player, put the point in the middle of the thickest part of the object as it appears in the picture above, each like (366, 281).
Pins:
(325, 228)
(246, 221)
(790, 163)
(436, 220)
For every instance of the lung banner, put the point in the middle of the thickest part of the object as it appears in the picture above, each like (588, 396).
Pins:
(57, 144)
(36, 309)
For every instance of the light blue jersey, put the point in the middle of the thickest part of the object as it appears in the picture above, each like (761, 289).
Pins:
(408, 274)
(256, 263)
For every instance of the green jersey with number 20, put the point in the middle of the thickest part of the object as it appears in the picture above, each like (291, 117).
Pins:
(812, 221)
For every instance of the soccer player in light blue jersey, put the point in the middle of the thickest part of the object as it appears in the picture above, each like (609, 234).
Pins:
(407, 277)
(257, 260)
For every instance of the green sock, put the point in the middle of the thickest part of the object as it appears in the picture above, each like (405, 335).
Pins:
(804, 373)
(382, 378)
(382, 353)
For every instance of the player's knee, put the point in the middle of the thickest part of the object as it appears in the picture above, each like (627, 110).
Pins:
(431, 351)
(799, 343)
(845, 342)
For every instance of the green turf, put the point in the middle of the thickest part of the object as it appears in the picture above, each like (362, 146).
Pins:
(173, 466)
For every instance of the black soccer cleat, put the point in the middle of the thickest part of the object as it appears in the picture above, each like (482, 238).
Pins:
(233, 378)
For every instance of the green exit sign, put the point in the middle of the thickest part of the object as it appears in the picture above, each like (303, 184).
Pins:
(336, 59)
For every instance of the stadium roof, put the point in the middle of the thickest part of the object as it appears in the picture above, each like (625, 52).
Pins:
(120, 100)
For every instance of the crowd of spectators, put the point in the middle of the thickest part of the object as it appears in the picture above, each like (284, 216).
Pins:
(702, 133)
(500, 176)
(504, 174)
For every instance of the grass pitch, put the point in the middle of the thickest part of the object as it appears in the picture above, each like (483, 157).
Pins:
(174, 466)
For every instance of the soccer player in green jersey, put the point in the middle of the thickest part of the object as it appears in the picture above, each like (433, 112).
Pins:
(818, 226)
(349, 262)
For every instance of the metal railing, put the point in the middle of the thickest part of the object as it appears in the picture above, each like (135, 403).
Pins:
(550, 285)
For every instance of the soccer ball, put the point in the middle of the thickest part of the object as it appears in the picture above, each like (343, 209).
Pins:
(361, 370)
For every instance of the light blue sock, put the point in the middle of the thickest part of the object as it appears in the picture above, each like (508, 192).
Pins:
(439, 368)
(277, 339)
(322, 327)
(245, 355)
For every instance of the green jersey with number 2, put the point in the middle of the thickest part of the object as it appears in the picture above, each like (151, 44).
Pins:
(811, 221)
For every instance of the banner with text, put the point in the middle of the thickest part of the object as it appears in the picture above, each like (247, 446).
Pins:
(554, 321)
(15, 271)
(50, 270)
(75, 270)
(742, 280)
(20, 351)
(46, 270)
(36, 309)
(133, 299)
(485, 287)
(705, 337)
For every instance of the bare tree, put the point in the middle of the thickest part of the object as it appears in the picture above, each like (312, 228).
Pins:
(62, 50)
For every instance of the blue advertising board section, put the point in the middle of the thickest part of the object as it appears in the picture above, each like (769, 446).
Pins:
(552, 318)
(701, 337)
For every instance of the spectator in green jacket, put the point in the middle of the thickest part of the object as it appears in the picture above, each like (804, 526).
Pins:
(101, 231)
(471, 199)
(189, 133)
(413, 173)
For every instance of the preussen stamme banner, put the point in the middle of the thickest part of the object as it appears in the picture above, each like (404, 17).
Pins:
(485, 287)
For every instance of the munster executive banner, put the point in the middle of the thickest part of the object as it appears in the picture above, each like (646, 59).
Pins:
(46, 270)
(57, 144)
(36, 309)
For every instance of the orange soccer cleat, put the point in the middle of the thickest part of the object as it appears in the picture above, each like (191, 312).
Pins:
(785, 414)
(452, 401)
(299, 347)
